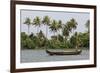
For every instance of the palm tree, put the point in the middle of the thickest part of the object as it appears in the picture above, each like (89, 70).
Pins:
(72, 24)
(37, 22)
(87, 24)
(87, 33)
(68, 27)
(28, 22)
(46, 21)
(77, 39)
(54, 26)
(65, 32)
(59, 25)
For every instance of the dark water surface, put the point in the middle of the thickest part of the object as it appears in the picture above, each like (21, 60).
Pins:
(42, 56)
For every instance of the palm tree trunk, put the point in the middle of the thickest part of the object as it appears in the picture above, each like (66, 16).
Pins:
(57, 34)
(54, 33)
(76, 42)
(46, 36)
(28, 29)
(37, 29)
(65, 40)
(46, 32)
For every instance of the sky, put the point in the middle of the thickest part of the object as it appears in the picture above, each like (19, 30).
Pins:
(80, 17)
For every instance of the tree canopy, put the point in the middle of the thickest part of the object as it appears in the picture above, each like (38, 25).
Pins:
(66, 39)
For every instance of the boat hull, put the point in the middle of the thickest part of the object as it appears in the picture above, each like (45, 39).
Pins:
(76, 52)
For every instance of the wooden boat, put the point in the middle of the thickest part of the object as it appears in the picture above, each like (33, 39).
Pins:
(64, 52)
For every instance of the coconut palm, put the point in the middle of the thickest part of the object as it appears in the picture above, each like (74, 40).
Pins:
(28, 22)
(37, 22)
(46, 21)
(54, 26)
(59, 26)
(68, 27)
(72, 24)
(65, 32)
(87, 24)
(77, 39)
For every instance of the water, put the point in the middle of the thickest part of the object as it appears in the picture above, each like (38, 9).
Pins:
(42, 56)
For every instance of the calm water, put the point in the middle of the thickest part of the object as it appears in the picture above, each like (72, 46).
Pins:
(42, 56)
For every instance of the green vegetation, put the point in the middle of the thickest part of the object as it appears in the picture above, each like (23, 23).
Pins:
(63, 40)
(28, 22)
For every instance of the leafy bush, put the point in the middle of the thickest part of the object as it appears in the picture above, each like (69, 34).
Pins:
(26, 42)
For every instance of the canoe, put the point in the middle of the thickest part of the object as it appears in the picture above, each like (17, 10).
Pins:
(64, 52)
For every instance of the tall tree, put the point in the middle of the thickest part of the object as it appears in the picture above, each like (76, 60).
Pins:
(54, 26)
(72, 24)
(77, 40)
(28, 22)
(87, 24)
(65, 32)
(59, 26)
(37, 22)
(46, 21)
(68, 27)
